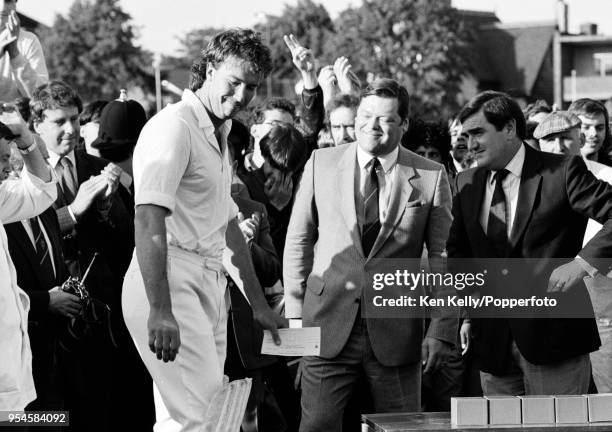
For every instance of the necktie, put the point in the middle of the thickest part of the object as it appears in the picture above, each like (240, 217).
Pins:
(497, 227)
(47, 275)
(68, 182)
(371, 220)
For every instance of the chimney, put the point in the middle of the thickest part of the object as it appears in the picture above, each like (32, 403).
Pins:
(589, 29)
(562, 16)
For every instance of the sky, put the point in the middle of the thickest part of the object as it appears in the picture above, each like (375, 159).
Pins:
(160, 22)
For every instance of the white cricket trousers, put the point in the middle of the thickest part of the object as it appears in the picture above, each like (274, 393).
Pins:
(184, 387)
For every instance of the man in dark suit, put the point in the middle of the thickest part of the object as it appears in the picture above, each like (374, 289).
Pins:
(93, 219)
(522, 204)
(356, 203)
(36, 250)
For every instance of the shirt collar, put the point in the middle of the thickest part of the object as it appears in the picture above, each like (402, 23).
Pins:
(515, 166)
(54, 158)
(387, 161)
(201, 114)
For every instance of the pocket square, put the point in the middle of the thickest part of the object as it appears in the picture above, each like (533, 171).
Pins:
(415, 204)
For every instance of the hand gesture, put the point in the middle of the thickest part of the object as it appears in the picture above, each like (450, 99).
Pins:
(250, 226)
(6, 38)
(14, 27)
(87, 193)
(112, 173)
(279, 190)
(303, 59)
(10, 116)
(342, 70)
(63, 303)
(164, 334)
(328, 82)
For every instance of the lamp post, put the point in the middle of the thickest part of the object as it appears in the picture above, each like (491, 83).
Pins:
(156, 67)
(262, 17)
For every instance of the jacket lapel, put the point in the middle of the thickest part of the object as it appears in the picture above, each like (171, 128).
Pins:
(83, 168)
(346, 188)
(22, 240)
(400, 194)
(528, 190)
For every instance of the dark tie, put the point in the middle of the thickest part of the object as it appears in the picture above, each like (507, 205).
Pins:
(68, 182)
(497, 227)
(371, 220)
(43, 256)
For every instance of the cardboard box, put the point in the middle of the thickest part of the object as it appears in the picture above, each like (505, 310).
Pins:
(504, 410)
(469, 411)
(571, 409)
(538, 409)
(600, 407)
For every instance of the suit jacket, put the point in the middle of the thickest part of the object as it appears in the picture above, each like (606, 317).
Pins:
(325, 270)
(556, 197)
(24, 257)
(43, 326)
(248, 333)
(112, 236)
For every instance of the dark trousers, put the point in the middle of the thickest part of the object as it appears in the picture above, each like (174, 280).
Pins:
(327, 384)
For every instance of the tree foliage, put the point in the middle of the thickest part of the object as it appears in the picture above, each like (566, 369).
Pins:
(93, 49)
(308, 21)
(417, 42)
(191, 45)
(420, 43)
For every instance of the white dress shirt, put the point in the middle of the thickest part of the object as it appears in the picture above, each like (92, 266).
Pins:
(510, 185)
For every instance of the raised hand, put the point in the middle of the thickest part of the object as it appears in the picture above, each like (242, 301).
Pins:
(6, 38)
(328, 82)
(14, 27)
(304, 61)
(87, 193)
(10, 116)
(342, 70)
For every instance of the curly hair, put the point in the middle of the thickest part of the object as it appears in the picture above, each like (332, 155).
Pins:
(53, 95)
(243, 44)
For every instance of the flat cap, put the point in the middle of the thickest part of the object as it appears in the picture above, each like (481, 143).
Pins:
(556, 122)
(120, 124)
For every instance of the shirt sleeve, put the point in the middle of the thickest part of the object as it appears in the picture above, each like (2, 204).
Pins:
(29, 67)
(26, 197)
(161, 158)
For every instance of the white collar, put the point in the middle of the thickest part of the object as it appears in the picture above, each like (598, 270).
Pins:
(54, 158)
(387, 161)
(204, 120)
(515, 166)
